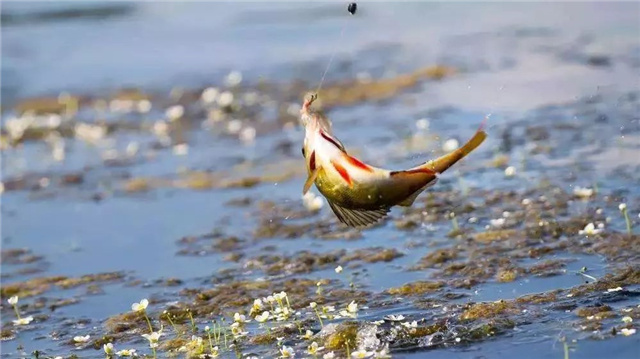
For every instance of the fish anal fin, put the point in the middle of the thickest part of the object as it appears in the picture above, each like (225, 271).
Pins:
(358, 218)
(309, 182)
(412, 198)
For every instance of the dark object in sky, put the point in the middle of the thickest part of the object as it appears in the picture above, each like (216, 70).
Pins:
(352, 8)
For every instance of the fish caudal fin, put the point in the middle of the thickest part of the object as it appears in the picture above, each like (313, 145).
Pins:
(443, 163)
(358, 217)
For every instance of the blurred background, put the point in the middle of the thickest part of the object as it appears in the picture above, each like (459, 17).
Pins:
(158, 142)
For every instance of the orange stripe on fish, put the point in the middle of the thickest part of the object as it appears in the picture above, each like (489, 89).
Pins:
(354, 161)
(343, 173)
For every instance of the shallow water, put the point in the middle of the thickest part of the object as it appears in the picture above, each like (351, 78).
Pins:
(564, 106)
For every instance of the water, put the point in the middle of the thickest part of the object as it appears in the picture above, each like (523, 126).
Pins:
(525, 64)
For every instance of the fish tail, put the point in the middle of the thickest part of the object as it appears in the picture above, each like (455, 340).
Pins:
(443, 163)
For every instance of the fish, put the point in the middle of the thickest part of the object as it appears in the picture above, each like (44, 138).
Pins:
(359, 194)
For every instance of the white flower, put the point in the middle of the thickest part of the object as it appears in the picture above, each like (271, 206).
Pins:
(616, 289)
(139, 307)
(81, 339)
(450, 145)
(237, 331)
(313, 305)
(280, 296)
(270, 299)
(314, 348)
(422, 124)
(626, 332)
(209, 95)
(215, 352)
(411, 325)
(248, 134)
(153, 338)
(308, 334)
(384, 353)
(338, 269)
(240, 318)
(312, 202)
(627, 319)
(329, 355)
(497, 223)
(108, 348)
(590, 230)
(361, 354)
(126, 353)
(287, 352)
(144, 106)
(174, 112)
(234, 78)
(257, 305)
(225, 99)
(510, 171)
(23, 321)
(234, 126)
(352, 307)
(13, 300)
(207, 328)
(262, 317)
(622, 207)
(181, 149)
(583, 192)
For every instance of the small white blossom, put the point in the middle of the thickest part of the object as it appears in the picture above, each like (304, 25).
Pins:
(312, 202)
(627, 319)
(23, 321)
(422, 124)
(329, 355)
(411, 325)
(139, 307)
(240, 318)
(225, 99)
(314, 349)
(81, 339)
(234, 78)
(497, 223)
(338, 269)
(622, 207)
(209, 95)
(308, 334)
(626, 332)
(108, 348)
(248, 134)
(13, 300)
(510, 171)
(174, 112)
(153, 338)
(361, 354)
(590, 230)
(450, 145)
(287, 352)
(313, 305)
(616, 289)
(395, 318)
(262, 317)
(583, 192)
(126, 353)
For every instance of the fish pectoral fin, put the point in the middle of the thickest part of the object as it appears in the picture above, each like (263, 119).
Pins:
(412, 198)
(358, 218)
(309, 182)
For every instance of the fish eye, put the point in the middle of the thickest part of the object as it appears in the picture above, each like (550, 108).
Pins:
(303, 153)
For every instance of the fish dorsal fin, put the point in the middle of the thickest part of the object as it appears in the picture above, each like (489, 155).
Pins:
(412, 198)
(356, 217)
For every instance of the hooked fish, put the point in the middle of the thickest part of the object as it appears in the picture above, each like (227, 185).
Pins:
(360, 194)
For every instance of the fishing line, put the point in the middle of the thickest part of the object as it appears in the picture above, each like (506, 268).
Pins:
(352, 8)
